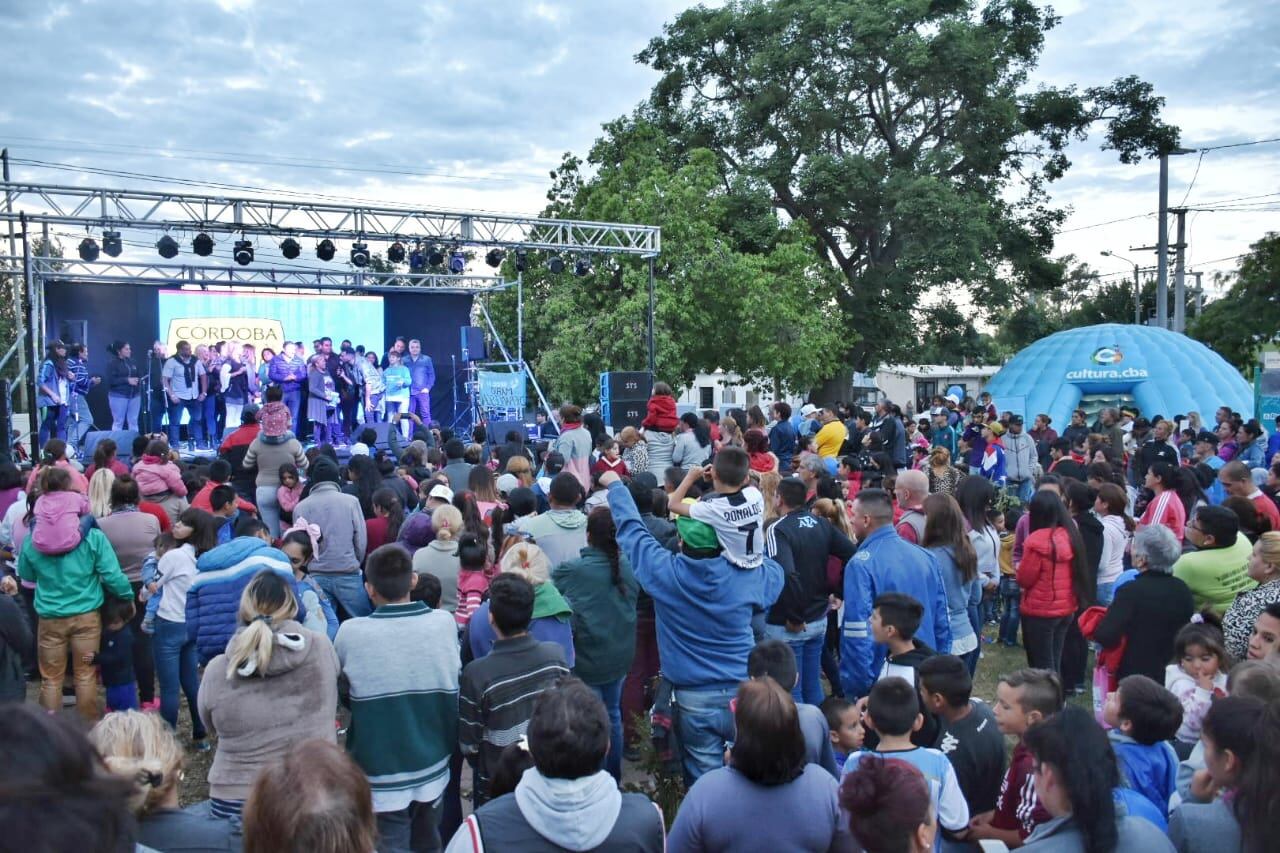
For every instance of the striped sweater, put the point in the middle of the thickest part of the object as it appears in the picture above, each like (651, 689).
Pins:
(496, 700)
(400, 678)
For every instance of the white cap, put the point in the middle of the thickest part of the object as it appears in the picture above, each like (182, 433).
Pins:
(808, 409)
(507, 483)
(953, 399)
(359, 449)
(441, 492)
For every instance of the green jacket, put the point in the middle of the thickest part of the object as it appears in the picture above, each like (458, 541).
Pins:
(1218, 575)
(71, 584)
(604, 618)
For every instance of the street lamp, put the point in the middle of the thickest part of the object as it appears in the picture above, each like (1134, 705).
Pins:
(1137, 286)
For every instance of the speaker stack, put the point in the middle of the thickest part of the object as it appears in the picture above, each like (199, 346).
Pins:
(623, 395)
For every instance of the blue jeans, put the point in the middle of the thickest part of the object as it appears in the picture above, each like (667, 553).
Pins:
(1023, 491)
(54, 423)
(373, 411)
(1010, 597)
(415, 827)
(807, 645)
(347, 592)
(211, 420)
(1106, 593)
(293, 402)
(268, 508)
(611, 695)
(176, 667)
(80, 421)
(195, 424)
(124, 411)
(703, 722)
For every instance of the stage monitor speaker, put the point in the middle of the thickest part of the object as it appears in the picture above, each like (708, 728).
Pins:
(622, 386)
(6, 425)
(497, 432)
(473, 343)
(625, 414)
(381, 428)
(122, 437)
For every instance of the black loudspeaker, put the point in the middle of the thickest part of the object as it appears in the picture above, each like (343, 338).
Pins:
(473, 344)
(497, 431)
(74, 332)
(623, 386)
(122, 437)
(625, 414)
(6, 425)
(381, 428)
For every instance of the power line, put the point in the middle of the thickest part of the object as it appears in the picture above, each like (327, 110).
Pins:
(1241, 144)
(1193, 179)
(1108, 222)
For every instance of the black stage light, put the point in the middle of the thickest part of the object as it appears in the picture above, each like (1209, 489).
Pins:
(360, 254)
(111, 243)
(457, 262)
(395, 252)
(582, 266)
(89, 249)
(243, 252)
(202, 245)
(522, 260)
(325, 250)
(290, 248)
(494, 257)
(435, 256)
(167, 247)
(555, 263)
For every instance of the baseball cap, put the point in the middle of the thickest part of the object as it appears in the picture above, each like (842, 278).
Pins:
(249, 414)
(996, 427)
(507, 483)
(1016, 419)
(808, 409)
(441, 492)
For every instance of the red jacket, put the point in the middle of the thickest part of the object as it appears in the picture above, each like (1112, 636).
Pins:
(201, 499)
(242, 437)
(662, 413)
(1045, 574)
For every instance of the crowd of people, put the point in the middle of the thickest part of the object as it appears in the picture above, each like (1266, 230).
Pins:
(205, 388)
(785, 612)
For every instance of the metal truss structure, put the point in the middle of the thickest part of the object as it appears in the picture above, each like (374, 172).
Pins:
(96, 208)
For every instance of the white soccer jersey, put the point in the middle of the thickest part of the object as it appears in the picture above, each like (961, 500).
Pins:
(738, 520)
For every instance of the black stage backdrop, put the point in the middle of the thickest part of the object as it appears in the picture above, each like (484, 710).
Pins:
(97, 314)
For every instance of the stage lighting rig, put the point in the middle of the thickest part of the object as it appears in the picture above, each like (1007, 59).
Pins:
(494, 257)
(111, 243)
(167, 247)
(290, 248)
(522, 260)
(582, 266)
(435, 257)
(243, 252)
(555, 264)
(360, 254)
(89, 249)
(202, 245)
(325, 250)
(417, 260)
(395, 252)
(457, 261)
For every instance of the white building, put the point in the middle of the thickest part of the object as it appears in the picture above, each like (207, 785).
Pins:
(723, 391)
(911, 383)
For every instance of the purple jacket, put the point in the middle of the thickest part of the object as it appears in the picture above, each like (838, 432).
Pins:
(281, 367)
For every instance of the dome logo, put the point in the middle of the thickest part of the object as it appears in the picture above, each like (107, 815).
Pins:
(1107, 355)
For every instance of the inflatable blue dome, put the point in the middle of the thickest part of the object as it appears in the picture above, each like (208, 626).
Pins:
(1159, 371)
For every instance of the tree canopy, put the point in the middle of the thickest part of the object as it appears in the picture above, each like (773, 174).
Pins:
(1247, 317)
(899, 135)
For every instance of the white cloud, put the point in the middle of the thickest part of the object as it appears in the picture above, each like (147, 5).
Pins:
(365, 139)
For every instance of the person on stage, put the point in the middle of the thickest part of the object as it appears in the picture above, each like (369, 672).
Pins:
(53, 386)
(289, 371)
(157, 400)
(398, 381)
(423, 373)
(186, 385)
(124, 387)
(374, 388)
(322, 400)
(81, 417)
(234, 382)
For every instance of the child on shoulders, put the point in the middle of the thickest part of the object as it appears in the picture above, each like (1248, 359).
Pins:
(58, 514)
(734, 509)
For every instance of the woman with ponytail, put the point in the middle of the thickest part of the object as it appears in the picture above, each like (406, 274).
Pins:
(1076, 778)
(439, 557)
(275, 687)
(388, 516)
(602, 591)
(1241, 737)
(144, 751)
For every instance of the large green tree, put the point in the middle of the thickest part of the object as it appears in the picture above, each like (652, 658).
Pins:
(1247, 317)
(735, 289)
(901, 135)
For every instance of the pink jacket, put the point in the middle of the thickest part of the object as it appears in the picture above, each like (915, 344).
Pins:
(288, 498)
(57, 515)
(156, 475)
(78, 482)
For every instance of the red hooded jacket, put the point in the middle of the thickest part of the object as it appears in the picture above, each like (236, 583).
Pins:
(662, 413)
(1045, 574)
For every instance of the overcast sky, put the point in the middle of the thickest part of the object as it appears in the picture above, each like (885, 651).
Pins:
(468, 105)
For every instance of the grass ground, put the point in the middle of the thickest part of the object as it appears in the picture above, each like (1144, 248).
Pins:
(996, 661)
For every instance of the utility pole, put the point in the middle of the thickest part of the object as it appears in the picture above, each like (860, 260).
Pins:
(1180, 273)
(1162, 240)
(1199, 295)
